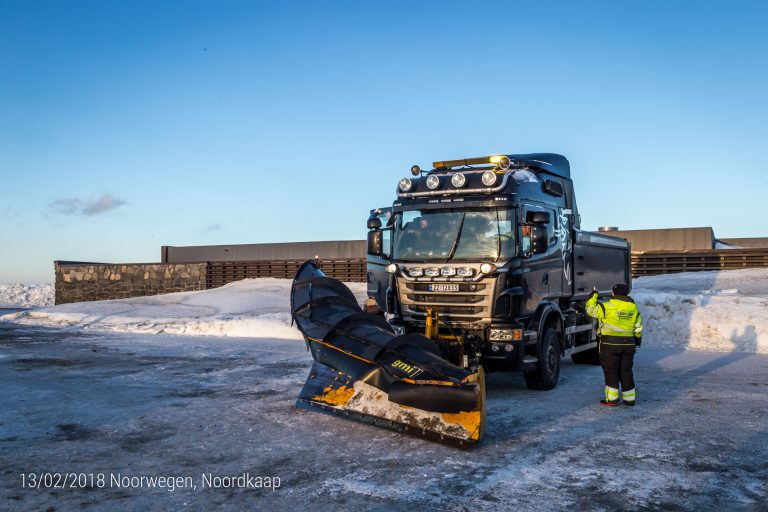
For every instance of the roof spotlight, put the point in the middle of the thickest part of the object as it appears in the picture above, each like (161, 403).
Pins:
(433, 182)
(502, 161)
(405, 184)
(489, 178)
(415, 170)
(458, 180)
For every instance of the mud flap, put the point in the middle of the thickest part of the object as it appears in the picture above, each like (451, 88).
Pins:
(364, 371)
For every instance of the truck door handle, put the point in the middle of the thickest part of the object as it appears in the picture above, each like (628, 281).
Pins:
(546, 278)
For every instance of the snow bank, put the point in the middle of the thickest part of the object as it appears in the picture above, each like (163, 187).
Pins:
(716, 311)
(248, 308)
(26, 295)
(712, 311)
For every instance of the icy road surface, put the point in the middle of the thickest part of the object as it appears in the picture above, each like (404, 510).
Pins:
(161, 405)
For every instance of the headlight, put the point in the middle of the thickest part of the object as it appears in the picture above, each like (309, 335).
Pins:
(433, 182)
(487, 268)
(464, 271)
(507, 335)
(431, 272)
(489, 178)
(458, 180)
(392, 268)
(415, 272)
(405, 184)
(448, 271)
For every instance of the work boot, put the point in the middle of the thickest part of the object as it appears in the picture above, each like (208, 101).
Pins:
(629, 397)
(611, 397)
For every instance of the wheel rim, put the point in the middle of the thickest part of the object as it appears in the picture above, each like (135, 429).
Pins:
(551, 360)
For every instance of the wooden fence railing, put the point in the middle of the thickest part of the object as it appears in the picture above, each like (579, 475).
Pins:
(219, 273)
(653, 263)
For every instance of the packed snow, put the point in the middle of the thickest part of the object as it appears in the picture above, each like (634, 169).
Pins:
(26, 295)
(711, 311)
(247, 308)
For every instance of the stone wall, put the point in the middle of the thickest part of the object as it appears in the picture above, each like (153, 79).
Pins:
(81, 282)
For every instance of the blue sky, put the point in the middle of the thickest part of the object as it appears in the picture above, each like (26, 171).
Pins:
(128, 125)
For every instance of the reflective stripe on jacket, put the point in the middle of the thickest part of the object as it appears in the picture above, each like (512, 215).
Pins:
(618, 316)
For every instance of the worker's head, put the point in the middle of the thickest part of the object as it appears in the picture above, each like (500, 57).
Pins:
(621, 289)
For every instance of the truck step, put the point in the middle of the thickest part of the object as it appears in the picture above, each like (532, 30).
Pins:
(530, 360)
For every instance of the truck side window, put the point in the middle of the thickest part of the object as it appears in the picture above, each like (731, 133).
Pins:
(552, 228)
(527, 215)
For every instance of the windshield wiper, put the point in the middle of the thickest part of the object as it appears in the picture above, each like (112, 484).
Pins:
(458, 237)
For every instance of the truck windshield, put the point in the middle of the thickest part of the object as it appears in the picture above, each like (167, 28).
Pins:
(461, 235)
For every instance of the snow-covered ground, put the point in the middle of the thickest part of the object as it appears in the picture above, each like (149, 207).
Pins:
(712, 311)
(248, 308)
(26, 295)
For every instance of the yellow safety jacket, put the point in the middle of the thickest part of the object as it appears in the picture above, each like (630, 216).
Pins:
(620, 321)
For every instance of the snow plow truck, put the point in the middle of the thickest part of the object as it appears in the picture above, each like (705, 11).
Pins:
(481, 266)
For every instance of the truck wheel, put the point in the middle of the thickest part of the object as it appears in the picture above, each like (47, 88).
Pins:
(547, 371)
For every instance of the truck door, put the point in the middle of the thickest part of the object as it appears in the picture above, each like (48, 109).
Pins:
(554, 251)
(376, 274)
(537, 268)
(543, 271)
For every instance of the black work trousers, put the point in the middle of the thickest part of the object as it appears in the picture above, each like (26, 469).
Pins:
(617, 361)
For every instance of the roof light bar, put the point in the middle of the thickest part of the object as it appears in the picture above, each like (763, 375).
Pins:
(502, 161)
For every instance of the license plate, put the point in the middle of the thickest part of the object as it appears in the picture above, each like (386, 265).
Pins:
(444, 287)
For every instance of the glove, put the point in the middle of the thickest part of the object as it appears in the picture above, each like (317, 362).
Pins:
(638, 342)
(594, 292)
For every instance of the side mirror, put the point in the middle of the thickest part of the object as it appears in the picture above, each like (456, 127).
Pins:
(374, 223)
(540, 218)
(539, 241)
(533, 240)
(375, 243)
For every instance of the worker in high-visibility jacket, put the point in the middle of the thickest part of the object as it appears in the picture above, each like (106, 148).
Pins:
(621, 333)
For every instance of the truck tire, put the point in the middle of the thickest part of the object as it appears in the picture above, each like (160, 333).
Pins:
(547, 371)
(591, 356)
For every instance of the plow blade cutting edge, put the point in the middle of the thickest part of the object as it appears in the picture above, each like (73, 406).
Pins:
(364, 371)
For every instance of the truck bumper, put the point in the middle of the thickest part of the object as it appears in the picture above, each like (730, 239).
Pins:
(504, 356)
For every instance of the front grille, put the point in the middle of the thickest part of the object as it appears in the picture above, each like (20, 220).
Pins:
(449, 310)
(472, 303)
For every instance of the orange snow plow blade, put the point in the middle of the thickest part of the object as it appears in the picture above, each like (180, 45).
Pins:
(364, 371)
